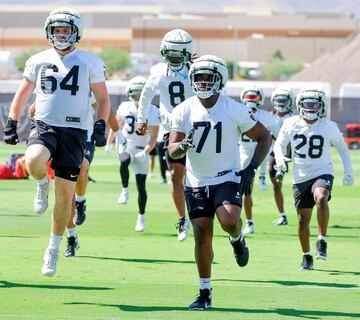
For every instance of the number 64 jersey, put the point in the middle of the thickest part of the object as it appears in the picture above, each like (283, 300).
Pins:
(215, 157)
(63, 86)
(310, 146)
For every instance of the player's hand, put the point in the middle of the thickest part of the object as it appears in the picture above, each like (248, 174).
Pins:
(108, 147)
(247, 176)
(187, 142)
(140, 155)
(98, 136)
(10, 134)
(142, 127)
(348, 179)
(280, 171)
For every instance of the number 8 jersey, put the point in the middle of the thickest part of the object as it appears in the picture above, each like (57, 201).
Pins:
(63, 86)
(310, 146)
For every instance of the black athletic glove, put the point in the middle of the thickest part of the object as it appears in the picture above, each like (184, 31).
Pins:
(10, 134)
(186, 144)
(247, 176)
(98, 136)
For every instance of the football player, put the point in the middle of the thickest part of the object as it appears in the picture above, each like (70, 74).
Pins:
(171, 80)
(134, 147)
(282, 100)
(253, 97)
(62, 78)
(206, 129)
(311, 136)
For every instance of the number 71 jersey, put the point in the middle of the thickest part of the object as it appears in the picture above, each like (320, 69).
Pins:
(63, 85)
(310, 146)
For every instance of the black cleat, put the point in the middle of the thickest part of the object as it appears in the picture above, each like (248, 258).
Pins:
(80, 212)
(282, 221)
(307, 263)
(321, 246)
(203, 300)
(73, 245)
(241, 251)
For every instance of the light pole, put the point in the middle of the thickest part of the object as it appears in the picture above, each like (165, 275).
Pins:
(235, 38)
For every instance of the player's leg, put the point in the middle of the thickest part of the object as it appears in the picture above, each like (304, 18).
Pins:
(73, 242)
(125, 160)
(304, 218)
(248, 204)
(262, 176)
(153, 154)
(162, 161)
(141, 168)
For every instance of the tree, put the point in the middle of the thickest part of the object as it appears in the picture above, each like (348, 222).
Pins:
(20, 59)
(115, 59)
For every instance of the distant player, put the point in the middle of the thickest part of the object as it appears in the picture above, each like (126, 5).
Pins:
(206, 128)
(134, 147)
(253, 97)
(282, 100)
(62, 78)
(311, 137)
(171, 80)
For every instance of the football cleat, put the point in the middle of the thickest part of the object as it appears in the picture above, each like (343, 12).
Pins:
(183, 227)
(321, 247)
(241, 251)
(51, 257)
(140, 223)
(262, 183)
(249, 228)
(72, 246)
(41, 197)
(203, 300)
(282, 221)
(124, 196)
(307, 263)
(80, 212)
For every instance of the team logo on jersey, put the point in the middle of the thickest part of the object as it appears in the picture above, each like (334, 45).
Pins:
(237, 196)
(252, 116)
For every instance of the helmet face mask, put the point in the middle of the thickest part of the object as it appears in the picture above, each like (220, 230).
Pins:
(134, 88)
(282, 99)
(176, 49)
(311, 104)
(208, 75)
(63, 18)
(253, 97)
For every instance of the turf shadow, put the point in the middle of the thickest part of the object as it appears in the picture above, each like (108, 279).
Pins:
(25, 237)
(20, 215)
(336, 226)
(307, 314)
(296, 283)
(339, 272)
(11, 285)
(139, 260)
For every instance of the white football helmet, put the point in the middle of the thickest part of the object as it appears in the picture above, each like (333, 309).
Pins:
(176, 49)
(134, 88)
(63, 17)
(253, 97)
(282, 99)
(311, 103)
(210, 65)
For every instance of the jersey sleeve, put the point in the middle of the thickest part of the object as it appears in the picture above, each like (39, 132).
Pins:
(153, 116)
(177, 120)
(281, 143)
(146, 97)
(120, 111)
(30, 70)
(97, 72)
(245, 120)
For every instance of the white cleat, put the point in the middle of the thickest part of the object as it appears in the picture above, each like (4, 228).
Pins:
(249, 228)
(140, 223)
(51, 257)
(262, 183)
(41, 197)
(183, 227)
(124, 196)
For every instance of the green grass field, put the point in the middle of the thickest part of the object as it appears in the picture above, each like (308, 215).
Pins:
(121, 274)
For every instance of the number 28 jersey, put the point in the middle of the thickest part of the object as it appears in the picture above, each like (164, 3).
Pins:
(63, 85)
(215, 157)
(310, 146)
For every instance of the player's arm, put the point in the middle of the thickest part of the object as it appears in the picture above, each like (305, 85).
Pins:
(344, 155)
(175, 140)
(281, 148)
(147, 95)
(32, 110)
(114, 129)
(154, 131)
(113, 121)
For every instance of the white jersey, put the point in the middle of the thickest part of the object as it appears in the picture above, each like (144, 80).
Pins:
(63, 85)
(247, 146)
(215, 158)
(173, 89)
(310, 146)
(128, 111)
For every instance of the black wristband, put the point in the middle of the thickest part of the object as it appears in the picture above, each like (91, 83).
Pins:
(11, 123)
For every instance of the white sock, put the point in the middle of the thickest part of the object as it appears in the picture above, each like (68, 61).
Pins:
(307, 253)
(249, 221)
(44, 180)
(205, 283)
(55, 241)
(236, 239)
(126, 190)
(320, 237)
(80, 198)
(283, 214)
(71, 232)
